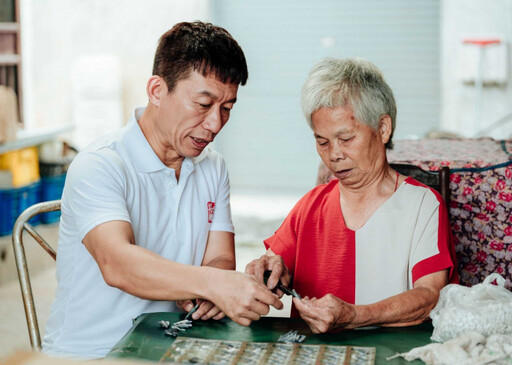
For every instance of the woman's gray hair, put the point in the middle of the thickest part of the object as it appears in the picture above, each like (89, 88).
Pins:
(352, 83)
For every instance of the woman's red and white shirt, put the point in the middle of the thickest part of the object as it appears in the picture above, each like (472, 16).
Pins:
(408, 237)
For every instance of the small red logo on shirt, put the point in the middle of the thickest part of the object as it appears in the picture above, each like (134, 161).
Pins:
(211, 210)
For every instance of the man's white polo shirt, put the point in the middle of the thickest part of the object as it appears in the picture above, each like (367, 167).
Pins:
(120, 177)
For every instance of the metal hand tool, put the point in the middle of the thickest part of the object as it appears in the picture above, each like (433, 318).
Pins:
(280, 286)
(192, 311)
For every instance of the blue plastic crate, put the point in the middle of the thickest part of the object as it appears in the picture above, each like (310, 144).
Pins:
(14, 201)
(51, 189)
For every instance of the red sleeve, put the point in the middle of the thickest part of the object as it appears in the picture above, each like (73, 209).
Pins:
(284, 240)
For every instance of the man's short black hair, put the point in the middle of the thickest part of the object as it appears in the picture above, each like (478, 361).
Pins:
(201, 47)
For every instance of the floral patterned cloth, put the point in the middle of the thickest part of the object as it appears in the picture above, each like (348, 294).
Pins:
(480, 202)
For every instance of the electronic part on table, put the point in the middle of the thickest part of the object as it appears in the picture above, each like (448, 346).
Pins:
(187, 350)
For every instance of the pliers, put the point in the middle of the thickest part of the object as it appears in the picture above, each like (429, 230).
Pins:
(280, 286)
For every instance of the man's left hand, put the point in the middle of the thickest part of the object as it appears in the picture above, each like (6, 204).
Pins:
(326, 313)
(206, 310)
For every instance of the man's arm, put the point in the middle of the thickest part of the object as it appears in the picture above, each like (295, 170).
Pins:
(406, 309)
(147, 275)
(220, 250)
(219, 253)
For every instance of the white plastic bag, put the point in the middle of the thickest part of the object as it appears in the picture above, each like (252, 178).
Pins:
(484, 308)
(469, 349)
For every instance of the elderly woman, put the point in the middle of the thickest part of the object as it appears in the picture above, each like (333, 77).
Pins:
(371, 247)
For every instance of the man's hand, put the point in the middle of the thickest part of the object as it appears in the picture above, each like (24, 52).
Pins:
(219, 253)
(326, 313)
(206, 310)
(274, 263)
(241, 297)
(147, 275)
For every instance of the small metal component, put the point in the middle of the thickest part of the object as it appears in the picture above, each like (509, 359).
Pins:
(176, 327)
(182, 326)
(295, 294)
(291, 336)
(185, 322)
(172, 332)
(164, 324)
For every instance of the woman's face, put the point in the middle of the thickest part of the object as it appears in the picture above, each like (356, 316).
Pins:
(353, 151)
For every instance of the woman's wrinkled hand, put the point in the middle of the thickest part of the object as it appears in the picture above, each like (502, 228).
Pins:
(325, 314)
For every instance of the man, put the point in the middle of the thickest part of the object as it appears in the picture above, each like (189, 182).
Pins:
(372, 245)
(145, 212)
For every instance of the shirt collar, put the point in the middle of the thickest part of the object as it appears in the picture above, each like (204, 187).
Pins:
(141, 153)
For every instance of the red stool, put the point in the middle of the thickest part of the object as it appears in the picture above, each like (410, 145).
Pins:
(481, 43)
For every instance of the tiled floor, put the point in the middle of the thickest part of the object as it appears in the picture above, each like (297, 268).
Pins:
(253, 225)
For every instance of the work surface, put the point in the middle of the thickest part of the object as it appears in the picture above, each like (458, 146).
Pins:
(146, 340)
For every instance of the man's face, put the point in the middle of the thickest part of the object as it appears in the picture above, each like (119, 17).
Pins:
(192, 115)
(352, 150)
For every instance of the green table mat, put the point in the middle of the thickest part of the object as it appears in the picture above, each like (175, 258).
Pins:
(146, 340)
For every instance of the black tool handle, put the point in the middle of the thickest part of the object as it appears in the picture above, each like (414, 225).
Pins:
(279, 285)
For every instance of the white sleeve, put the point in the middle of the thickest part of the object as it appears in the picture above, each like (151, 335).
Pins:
(94, 191)
(431, 253)
(222, 217)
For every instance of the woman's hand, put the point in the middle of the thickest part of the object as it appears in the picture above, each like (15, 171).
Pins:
(325, 314)
(274, 263)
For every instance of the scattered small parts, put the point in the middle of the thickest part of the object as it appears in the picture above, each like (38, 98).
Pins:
(177, 327)
(292, 336)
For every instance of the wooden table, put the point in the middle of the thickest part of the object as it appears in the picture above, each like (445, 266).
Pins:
(146, 340)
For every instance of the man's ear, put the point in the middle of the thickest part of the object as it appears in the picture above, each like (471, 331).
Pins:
(385, 128)
(154, 89)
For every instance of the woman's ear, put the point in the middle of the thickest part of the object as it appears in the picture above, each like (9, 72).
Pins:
(154, 89)
(385, 128)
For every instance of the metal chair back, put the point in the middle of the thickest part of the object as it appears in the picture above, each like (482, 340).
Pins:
(21, 225)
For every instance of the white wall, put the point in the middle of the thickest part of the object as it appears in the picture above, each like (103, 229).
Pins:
(267, 143)
(461, 18)
(56, 33)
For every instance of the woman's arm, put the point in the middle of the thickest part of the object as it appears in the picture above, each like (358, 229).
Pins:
(409, 308)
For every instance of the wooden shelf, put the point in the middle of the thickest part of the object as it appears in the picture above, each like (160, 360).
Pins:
(9, 59)
(34, 138)
(10, 50)
(9, 27)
